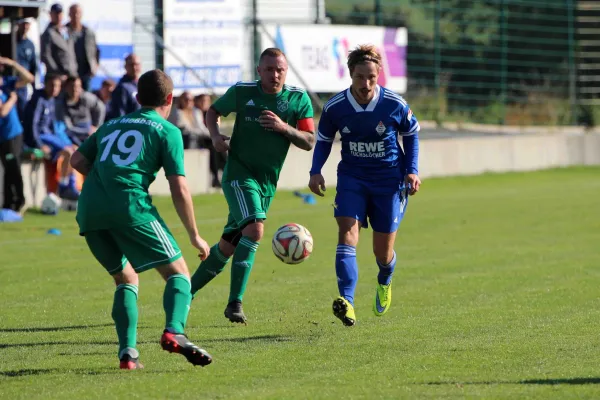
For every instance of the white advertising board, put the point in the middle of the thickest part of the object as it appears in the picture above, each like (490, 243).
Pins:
(206, 38)
(318, 53)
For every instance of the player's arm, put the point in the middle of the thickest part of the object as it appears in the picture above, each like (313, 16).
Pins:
(325, 136)
(301, 136)
(8, 104)
(409, 131)
(25, 77)
(83, 159)
(172, 156)
(224, 106)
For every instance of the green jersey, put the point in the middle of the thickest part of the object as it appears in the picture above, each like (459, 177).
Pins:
(127, 152)
(257, 153)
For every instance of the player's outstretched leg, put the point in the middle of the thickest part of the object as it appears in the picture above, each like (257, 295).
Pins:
(346, 269)
(212, 266)
(385, 255)
(176, 301)
(243, 260)
(125, 315)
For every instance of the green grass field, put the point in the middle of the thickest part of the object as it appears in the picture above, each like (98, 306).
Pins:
(495, 296)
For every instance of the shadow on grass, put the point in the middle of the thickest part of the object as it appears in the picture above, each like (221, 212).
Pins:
(53, 328)
(249, 339)
(558, 381)
(64, 343)
(80, 371)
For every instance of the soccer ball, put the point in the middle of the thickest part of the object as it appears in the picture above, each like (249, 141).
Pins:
(292, 243)
(51, 204)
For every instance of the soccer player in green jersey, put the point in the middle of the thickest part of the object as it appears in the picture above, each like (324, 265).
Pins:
(122, 227)
(269, 116)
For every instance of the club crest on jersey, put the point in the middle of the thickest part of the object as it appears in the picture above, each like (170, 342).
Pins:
(380, 128)
(409, 115)
(282, 105)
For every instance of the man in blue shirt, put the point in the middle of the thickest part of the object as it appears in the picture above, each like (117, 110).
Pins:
(27, 59)
(11, 139)
(124, 96)
(43, 130)
(375, 175)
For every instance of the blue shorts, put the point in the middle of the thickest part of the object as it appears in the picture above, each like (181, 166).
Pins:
(384, 207)
(57, 143)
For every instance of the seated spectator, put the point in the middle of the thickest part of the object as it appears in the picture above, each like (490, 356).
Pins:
(189, 120)
(11, 134)
(123, 99)
(105, 92)
(82, 112)
(203, 102)
(217, 161)
(44, 131)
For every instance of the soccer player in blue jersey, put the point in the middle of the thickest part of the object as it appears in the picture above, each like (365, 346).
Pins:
(375, 175)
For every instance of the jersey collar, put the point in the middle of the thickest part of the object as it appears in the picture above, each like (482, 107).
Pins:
(370, 106)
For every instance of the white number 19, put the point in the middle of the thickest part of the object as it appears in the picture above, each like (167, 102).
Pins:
(132, 151)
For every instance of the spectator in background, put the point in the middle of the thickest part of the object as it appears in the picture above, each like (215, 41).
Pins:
(82, 112)
(27, 59)
(44, 131)
(123, 97)
(190, 121)
(11, 134)
(105, 92)
(203, 102)
(58, 50)
(84, 40)
(217, 161)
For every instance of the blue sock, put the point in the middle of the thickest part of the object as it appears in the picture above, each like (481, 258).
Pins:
(385, 271)
(346, 270)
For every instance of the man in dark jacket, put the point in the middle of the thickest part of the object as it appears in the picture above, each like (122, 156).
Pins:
(123, 97)
(85, 46)
(58, 50)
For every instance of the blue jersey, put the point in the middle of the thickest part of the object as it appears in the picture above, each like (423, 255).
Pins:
(369, 135)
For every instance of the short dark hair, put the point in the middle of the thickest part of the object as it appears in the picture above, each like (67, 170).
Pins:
(363, 54)
(71, 79)
(108, 83)
(51, 77)
(201, 96)
(153, 88)
(271, 52)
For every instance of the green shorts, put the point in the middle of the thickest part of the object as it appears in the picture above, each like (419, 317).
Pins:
(246, 204)
(144, 246)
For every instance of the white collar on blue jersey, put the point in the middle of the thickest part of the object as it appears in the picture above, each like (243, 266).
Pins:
(370, 106)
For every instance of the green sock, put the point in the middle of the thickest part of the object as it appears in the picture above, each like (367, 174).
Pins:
(243, 259)
(125, 315)
(176, 301)
(209, 269)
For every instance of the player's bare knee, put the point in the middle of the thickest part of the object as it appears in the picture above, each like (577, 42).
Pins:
(348, 232)
(254, 231)
(226, 248)
(178, 266)
(383, 255)
(126, 276)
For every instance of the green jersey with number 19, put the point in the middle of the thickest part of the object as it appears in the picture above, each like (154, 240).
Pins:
(127, 152)
(257, 153)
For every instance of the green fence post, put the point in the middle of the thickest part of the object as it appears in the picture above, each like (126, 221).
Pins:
(503, 59)
(378, 13)
(255, 37)
(572, 71)
(437, 46)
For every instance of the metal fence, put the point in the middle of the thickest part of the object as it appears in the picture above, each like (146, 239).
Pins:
(494, 61)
